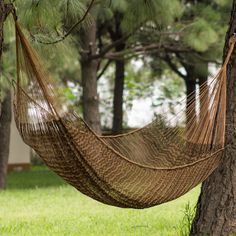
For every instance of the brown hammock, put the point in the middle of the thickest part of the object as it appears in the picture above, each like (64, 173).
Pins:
(140, 169)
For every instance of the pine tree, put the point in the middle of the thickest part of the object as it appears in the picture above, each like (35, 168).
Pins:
(191, 42)
(122, 20)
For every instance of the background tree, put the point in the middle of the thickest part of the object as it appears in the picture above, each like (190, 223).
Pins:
(27, 10)
(5, 124)
(50, 23)
(5, 106)
(191, 43)
(117, 34)
(123, 20)
(119, 30)
(89, 79)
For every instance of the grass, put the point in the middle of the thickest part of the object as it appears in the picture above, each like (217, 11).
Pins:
(39, 203)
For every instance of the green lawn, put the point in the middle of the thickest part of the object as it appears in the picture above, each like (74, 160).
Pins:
(38, 203)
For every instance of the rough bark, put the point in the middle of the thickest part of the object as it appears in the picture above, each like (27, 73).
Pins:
(117, 124)
(5, 124)
(89, 67)
(2, 18)
(5, 111)
(216, 208)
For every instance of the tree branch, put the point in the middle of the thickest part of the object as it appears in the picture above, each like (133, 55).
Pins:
(109, 47)
(104, 69)
(173, 66)
(143, 49)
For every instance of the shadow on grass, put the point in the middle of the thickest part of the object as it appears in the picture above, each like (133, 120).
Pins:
(37, 177)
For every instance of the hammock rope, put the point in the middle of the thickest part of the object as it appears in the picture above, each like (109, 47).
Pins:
(140, 169)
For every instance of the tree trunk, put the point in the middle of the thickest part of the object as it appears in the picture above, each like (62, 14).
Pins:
(89, 79)
(216, 208)
(5, 124)
(5, 112)
(190, 84)
(2, 18)
(118, 97)
(117, 124)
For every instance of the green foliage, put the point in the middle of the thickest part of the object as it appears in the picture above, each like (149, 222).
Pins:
(223, 3)
(48, 21)
(207, 31)
(44, 20)
(72, 11)
(207, 13)
(8, 61)
(161, 12)
(119, 5)
(104, 15)
(171, 89)
(200, 35)
(39, 14)
(68, 93)
(137, 84)
(106, 11)
(47, 16)
(201, 25)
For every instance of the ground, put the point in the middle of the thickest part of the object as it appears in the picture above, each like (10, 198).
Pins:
(39, 203)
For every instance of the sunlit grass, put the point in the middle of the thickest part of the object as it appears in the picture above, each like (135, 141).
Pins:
(40, 203)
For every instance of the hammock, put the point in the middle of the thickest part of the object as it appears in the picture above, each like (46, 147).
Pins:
(140, 169)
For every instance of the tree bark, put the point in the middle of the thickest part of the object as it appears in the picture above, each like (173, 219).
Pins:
(216, 208)
(5, 124)
(5, 110)
(89, 67)
(117, 124)
(2, 18)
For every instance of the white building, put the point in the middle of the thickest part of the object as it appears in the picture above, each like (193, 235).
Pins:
(19, 156)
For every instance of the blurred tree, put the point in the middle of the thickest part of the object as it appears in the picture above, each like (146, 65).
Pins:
(191, 43)
(5, 124)
(205, 37)
(90, 99)
(50, 23)
(38, 19)
(117, 34)
(5, 106)
(122, 20)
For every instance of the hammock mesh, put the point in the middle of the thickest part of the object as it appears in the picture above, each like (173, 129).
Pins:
(140, 169)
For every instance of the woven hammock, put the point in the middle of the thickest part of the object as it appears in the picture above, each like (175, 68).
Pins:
(140, 169)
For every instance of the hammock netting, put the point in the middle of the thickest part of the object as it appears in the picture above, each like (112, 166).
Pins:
(140, 169)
